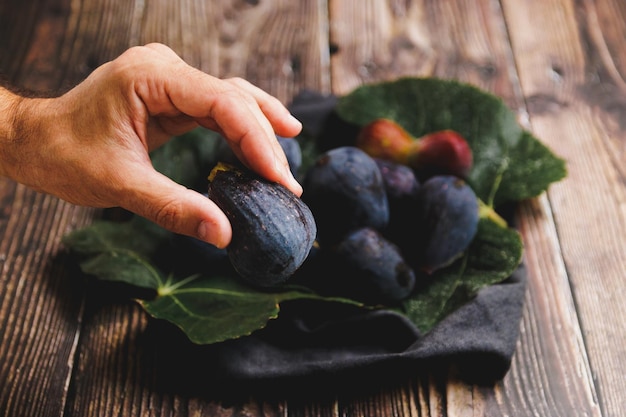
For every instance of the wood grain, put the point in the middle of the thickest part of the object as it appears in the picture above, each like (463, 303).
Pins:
(572, 90)
(554, 375)
(73, 347)
(40, 305)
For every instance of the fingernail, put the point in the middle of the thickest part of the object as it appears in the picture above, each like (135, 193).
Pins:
(204, 233)
(295, 185)
(295, 121)
(287, 176)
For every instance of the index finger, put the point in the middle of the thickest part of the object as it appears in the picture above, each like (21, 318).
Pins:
(252, 138)
(248, 117)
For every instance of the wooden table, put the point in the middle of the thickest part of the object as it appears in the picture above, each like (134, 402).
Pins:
(67, 350)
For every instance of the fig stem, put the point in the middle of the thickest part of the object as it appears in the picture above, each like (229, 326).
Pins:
(220, 166)
(485, 211)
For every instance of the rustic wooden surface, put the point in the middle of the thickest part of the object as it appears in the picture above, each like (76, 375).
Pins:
(67, 349)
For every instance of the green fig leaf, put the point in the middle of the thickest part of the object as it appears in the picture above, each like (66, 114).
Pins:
(119, 251)
(510, 164)
(208, 309)
(214, 309)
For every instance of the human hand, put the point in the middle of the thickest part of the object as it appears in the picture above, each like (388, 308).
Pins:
(91, 145)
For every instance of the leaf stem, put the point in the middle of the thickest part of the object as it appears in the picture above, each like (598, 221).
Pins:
(168, 288)
(497, 180)
(485, 211)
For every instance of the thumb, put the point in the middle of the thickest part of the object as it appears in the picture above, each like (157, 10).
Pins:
(179, 209)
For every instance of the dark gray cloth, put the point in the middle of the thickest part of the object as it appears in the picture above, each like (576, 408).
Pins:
(479, 338)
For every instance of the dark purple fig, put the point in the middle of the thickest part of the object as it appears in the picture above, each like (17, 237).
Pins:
(401, 187)
(400, 181)
(345, 191)
(369, 268)
(448, 221)
(273, 230)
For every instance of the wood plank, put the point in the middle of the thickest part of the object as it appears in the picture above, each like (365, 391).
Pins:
(450, 39)
(266, 42)
(18, 22)
(95, 33)
(283, 47)
(551, 373)
(568, 56)
(40, 301)
(40, 305)
(456, 40)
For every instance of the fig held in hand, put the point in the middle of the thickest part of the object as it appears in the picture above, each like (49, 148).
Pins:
(273, 229)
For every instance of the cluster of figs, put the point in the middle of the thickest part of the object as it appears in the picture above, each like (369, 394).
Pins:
(376, 217)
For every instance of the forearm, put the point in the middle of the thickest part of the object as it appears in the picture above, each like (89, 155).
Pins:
(9, 103)
(24, 137)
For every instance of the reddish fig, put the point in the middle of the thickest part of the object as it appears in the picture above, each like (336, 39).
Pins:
(445, 152)
(385, 139)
